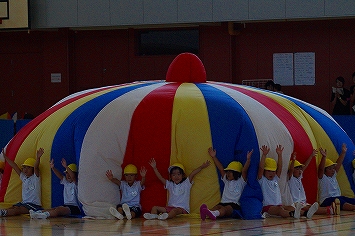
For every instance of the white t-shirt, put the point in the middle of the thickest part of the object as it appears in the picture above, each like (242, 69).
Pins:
(131, 195)
(297, 190)
(31, 189)
(179, 194)
(232, 190)
(271, 191)
(70, 192)
(328, 187)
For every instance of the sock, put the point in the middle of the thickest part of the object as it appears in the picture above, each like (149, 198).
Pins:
(330, 210)
(216, 213)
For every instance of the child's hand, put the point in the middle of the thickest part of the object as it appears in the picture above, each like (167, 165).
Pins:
(143, 171)
(279, 149)
(40, 152)
(294, 155)
(323, 152)
(265, 149)
(153, 163)
(64, 163)
(205, 164)
(51, 164)
(3, 153)
(212, 152)
(314, 152)
(344, 148)
(109, 174)
(249, 154)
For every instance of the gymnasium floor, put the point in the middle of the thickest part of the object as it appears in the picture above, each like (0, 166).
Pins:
(183, 225)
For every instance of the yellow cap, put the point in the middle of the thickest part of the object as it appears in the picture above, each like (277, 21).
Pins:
(295, 164)
(270, 164)
(353, 162)
(235, 166)
(29, 162)
(328, 163)
(130, 169)
(73, 167)
(176, 165)
(2, 165)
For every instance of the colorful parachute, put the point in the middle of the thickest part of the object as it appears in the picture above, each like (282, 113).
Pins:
(175, 120)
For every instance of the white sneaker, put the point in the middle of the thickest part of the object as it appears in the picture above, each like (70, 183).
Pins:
(163, 216)
(33, 214)
(149, 216)
(115, 213)
(127, 211)
(312, 210)
(41, 215)
(298, 207)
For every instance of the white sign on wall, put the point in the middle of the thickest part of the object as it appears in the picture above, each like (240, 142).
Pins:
(294, 68)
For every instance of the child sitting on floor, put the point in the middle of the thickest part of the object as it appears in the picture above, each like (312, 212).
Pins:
(131, 191)
(329, 190)
(234, 178)
(179, 191)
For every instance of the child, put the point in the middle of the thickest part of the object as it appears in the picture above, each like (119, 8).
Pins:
(179, 191)
(233, 187)
(70, 193)
(31, 185)
(268, 175)
(329, 190)
(130, 189)
(295, 175)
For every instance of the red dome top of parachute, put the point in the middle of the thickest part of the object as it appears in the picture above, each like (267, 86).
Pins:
(186, 67)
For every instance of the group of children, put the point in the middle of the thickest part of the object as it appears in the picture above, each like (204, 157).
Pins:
(31, 189)
(234, 177)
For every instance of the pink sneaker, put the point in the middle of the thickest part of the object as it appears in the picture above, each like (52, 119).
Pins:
(202, 213)
(207, 212)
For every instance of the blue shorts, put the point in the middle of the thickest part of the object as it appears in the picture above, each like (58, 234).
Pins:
(135, 209)
(328, 201)
(74, 210)
(29, 206)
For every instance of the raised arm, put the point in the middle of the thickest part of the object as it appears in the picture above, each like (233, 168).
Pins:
(341, 157)
(279, 150)
(246, 165)
(322, 163)
(153, 164)
(143, 173)
(292, 166)
(109, 175)
(55, 170)
(313, 154)
(198, 169)
(265, 150)
(11, 163)
(218, 164)
(70, 172)
(39, 154)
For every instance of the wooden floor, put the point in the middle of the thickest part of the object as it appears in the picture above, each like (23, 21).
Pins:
(184, 225)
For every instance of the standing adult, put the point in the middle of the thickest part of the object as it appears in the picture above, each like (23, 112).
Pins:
(340, 98)
(352, 95)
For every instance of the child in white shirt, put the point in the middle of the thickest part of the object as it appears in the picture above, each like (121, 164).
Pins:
(130, 190)
(179, 191)
(268, 175)
(234, 178)
(31, 185)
